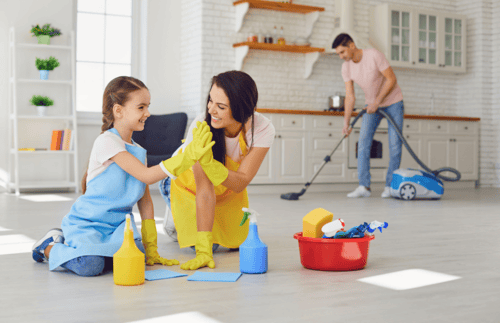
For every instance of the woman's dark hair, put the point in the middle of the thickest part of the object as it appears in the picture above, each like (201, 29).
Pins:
(342, 40)
(241, 91)
(116, 92)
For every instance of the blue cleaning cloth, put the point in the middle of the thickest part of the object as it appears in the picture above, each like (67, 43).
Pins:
(354, 232)
(214, 277)
(161, 274)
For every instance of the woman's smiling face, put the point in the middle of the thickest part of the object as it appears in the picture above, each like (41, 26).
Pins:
(220, 111)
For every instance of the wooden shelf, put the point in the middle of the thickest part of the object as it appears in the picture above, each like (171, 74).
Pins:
(312, 53)
(280, 48)
(279, 6)
(312, 13)
(311, 16)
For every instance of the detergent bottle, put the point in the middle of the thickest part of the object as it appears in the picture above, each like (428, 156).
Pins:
(128, 261)
(253, 252)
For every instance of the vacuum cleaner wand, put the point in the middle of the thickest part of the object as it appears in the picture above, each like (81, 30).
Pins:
(295, 196)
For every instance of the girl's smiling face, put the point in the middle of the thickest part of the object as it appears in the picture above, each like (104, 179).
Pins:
(220, 111)
(136, 109)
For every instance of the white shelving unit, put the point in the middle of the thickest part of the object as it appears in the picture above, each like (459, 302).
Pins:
(41, 169)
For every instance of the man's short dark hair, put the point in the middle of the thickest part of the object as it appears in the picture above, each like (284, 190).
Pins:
(342, 40)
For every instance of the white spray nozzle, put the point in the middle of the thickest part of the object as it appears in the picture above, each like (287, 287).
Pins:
(249, 213)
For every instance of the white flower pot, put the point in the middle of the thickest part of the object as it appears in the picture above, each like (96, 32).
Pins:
(41, 110)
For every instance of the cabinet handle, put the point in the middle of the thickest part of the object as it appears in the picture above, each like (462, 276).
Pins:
(330, 124)
(329, 135)
(453, 140)
(279, 136)
(439, 127)
(407, 137)
(413, 63)
(293, 122)
(466, 128)
(407, 126)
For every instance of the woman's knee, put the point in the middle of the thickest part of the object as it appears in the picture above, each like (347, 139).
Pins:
(89, 266)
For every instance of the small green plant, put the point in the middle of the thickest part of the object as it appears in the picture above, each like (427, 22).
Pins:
(47, 64)
(39, 100)
(45, 30)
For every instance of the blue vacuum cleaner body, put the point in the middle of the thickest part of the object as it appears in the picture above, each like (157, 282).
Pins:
(410, 184)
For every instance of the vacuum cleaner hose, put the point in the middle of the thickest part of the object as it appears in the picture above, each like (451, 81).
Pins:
(295, 196)
(434, 172)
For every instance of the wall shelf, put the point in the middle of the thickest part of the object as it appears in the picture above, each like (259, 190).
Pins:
(36, 152)
(312, 13)
(38, 81)
(312, 53)
(32, 132)
(41, 46)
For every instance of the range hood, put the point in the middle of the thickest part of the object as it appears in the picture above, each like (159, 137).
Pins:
(344, 23)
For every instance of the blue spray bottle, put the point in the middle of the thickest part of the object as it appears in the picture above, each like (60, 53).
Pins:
(253, 252)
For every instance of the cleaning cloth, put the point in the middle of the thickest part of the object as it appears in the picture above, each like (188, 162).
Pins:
(161, 274)
(214, 277)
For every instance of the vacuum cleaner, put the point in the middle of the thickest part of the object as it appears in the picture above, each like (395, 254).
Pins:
(406, 184)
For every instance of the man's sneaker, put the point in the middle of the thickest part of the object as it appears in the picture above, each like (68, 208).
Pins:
(53, 236)
(387, 192)
(361, 191)
(169, 226)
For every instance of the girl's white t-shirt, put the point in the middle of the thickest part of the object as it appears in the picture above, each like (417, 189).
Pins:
(106, 146)
(263, 136)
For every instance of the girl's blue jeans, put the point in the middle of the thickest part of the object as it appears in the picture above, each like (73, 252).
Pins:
(93, 265)
(369, 124)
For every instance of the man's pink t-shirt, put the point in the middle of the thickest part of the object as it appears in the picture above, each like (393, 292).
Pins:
(367, 73)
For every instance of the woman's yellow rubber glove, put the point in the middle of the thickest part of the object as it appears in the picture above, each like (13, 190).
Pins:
(201, 144)
(204, 256)
(215, 170)
(149, 240)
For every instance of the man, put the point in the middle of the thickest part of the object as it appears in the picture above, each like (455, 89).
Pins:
(372, 72)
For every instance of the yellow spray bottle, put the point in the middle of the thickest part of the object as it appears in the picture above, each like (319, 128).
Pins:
(128, 262)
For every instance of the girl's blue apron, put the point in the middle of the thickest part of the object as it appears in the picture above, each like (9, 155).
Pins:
(96, 222)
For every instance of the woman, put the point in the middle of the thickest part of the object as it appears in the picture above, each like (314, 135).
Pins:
(205, 203)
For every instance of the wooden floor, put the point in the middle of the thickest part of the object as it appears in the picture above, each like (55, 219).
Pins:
(458, 235)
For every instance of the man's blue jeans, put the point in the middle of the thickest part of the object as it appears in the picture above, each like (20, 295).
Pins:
(368, 126)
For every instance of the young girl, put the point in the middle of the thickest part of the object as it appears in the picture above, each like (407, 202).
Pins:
(206, 203)
(115, 181)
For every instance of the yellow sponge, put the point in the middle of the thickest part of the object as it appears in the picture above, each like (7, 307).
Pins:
(314, 221)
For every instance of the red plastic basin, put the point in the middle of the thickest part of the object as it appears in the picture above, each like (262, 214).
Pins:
(333, 254)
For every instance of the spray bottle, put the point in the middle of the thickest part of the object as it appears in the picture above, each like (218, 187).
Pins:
(253, 252)
(128, 261)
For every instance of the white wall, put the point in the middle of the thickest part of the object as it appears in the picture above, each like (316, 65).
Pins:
(22, 15)
(164, 55)
(279, 76)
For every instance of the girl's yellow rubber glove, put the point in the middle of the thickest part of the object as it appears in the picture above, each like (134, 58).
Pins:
(204, 256)
(149, 240)
(201, 144)
(215, 170)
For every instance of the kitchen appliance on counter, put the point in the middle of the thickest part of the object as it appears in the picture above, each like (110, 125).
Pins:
(336, 102)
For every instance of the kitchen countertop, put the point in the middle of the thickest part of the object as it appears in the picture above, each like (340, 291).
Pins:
(341, 114)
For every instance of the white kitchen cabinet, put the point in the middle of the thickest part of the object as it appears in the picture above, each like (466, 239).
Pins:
(303, 141)
(445, 144)
(416, 38)
(290, 157)
(286, 160)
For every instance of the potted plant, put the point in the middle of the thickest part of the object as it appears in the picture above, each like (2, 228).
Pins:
(41, 103)
(46, 65)
(44, 33)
